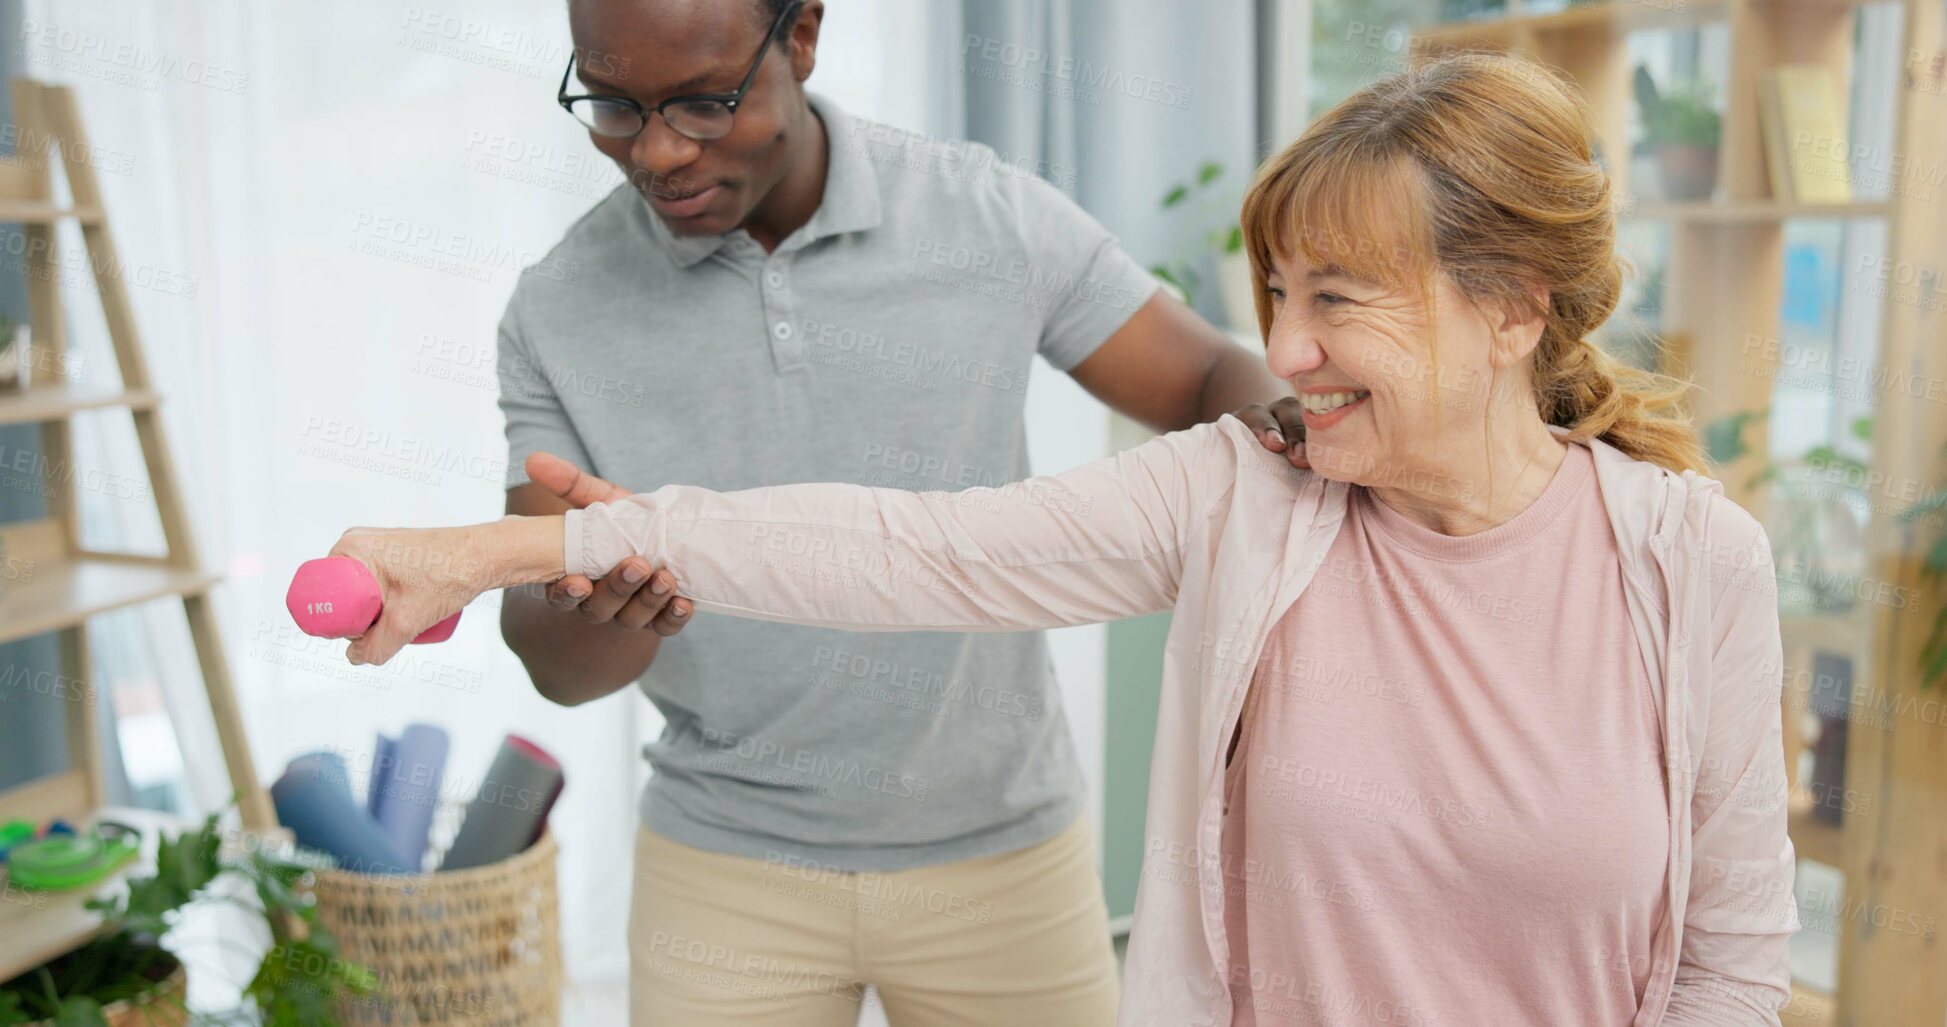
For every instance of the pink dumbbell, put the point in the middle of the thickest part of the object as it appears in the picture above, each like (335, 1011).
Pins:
(337, 597)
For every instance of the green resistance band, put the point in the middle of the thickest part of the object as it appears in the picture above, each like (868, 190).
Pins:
(61, 862)
(12, 833)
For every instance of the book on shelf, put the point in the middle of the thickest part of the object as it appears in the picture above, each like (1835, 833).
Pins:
(1804, 127)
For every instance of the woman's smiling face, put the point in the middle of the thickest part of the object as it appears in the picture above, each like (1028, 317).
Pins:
(1361, 356)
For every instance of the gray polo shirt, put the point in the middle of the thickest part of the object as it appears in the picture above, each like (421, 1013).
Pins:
(887, 342)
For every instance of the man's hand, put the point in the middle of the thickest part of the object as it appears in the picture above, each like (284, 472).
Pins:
(633, 595)
(1280, 426)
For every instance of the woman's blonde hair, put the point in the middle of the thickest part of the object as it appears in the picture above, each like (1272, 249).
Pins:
(1477, 166)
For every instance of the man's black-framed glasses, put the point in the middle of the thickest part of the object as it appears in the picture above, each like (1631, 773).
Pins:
(700, 116)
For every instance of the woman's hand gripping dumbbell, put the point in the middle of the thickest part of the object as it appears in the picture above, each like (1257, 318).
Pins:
(337, 597)
(361, 590)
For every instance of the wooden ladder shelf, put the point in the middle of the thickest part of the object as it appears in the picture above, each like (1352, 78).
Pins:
(68, 584)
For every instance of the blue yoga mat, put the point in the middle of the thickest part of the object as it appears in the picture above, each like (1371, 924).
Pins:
(404, 791)
(313, 800)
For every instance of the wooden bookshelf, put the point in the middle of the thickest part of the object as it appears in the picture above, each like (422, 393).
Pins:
(1723, 284)
(1756, 212)
(1814, 838)
(1520, 29)
(59, 400)
(55, 585)
(44, 212)
(38, 926)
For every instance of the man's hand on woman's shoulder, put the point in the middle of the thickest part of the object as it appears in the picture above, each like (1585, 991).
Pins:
(1280, 425)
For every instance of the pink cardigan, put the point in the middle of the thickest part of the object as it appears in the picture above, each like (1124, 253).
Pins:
(1206, 523)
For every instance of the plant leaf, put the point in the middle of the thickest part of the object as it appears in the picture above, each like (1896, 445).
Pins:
(1933, 502)
(1208, 172)
(1724, 437)
(80, 1011)
(1175, 196)
(1933, 655)
(1936, 562)
(1862, 428)
(1646, 97)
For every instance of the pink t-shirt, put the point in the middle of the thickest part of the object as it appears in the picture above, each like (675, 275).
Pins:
(1446, 802)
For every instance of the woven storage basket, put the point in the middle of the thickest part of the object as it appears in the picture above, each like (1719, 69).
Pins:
(480, 947)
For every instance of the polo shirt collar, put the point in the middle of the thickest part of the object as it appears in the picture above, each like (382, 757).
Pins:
(850, 203)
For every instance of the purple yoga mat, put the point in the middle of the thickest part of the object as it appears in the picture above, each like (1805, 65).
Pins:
(404, 791)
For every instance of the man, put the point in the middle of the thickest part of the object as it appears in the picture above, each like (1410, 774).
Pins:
(783, 293)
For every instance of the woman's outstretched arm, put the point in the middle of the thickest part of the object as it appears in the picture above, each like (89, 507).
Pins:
(1100, 542)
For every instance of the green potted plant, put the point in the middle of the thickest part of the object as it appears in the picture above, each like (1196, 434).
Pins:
(1681, 132)
(1802, 534)
(1933, 653)
(124, 977)
(1818, 513)
(1233, 267)
(13, 353)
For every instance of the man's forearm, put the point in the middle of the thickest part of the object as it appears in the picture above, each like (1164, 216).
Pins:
(1237, 379)
(571, 660)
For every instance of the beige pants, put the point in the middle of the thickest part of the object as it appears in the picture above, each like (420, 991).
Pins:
(1019, 939)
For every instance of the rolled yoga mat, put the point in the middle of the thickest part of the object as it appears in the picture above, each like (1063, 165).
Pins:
(404, 790)
(313, 800)
(512, 808)
(329, 766)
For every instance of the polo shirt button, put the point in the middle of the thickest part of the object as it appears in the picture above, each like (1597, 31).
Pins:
(782, 330)
(774, 280)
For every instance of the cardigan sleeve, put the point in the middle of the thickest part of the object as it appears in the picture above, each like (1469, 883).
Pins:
(1101, 542)
(1733, 969)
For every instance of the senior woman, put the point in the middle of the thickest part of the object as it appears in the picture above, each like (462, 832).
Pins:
(1474, 721)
